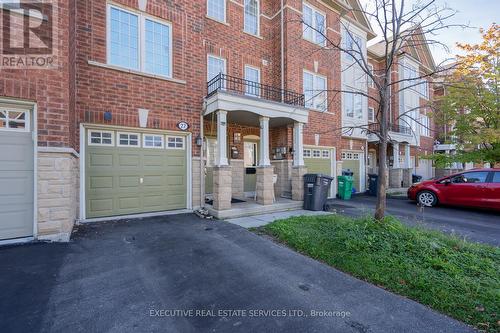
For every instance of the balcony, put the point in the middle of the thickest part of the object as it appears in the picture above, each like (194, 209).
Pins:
(395, 128)
(246, 101)
(397, 133)
(227, 83)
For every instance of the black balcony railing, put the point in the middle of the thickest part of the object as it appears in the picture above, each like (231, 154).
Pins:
(253, 89)
(375, 128)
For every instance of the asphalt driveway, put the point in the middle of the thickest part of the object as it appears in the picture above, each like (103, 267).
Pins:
(153, 275)
(472, 224)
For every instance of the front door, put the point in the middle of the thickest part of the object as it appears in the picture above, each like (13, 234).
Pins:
(250, 158)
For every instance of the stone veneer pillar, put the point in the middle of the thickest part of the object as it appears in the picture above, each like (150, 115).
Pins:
(222, 191)
(58, 193)
(395, 177)
(264, 188)
(238, 181)
(407, 177)
(298, 173)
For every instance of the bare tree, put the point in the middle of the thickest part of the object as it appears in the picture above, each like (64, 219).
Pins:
(401, 26)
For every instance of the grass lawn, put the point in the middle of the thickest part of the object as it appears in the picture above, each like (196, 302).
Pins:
(455, 277)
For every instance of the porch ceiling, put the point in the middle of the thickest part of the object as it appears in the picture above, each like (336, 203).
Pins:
(246, 110)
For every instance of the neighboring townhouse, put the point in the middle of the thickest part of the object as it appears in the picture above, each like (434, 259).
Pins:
(411, 129)
(162, 106)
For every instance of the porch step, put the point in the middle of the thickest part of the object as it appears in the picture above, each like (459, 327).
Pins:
(252, 208)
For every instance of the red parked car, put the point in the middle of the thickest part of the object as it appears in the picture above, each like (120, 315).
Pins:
(472, 188)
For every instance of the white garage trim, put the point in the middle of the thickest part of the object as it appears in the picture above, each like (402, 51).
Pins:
(333, 163)
(32, 107)
(188, 141)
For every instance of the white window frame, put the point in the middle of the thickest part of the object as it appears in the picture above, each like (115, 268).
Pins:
(175, 137)
(371, 83)
(89, 138)
(218, 58)
(316, 151)
(425, 125)
(325, 154)
(314, 25)
(118, 139)
(141, 21)
(258, 19)
(349, 56)
(316, 95)
(258, 80)
(216, 18)
(372, 118)
(26, 121)
(153, 147)
(354, 94)
(308, 154)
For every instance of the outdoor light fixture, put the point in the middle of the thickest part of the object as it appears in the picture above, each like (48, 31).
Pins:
(199, 141)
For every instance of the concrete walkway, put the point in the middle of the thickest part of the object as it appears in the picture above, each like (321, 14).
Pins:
(261, 220)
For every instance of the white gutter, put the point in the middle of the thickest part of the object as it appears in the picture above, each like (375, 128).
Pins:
(282, 51)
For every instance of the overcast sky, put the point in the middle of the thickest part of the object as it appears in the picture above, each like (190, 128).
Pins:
(476, 13)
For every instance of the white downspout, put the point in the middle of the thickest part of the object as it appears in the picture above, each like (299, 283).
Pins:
(282, 50)
(202, 161)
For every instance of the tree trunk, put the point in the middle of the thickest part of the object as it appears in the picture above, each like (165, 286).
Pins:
(382, 152)
(382, 181)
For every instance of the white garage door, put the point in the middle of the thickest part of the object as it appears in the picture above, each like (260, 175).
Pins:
(16, 174)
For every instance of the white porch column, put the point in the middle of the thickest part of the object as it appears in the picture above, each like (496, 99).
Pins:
(395, 155)
(407, 156)
(298, 144)
(264, 142)
(221, 158)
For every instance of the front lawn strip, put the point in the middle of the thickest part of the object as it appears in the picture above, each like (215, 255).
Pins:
(453, 276)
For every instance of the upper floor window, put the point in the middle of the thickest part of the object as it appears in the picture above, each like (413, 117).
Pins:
(215, 66)
(425, 126)
(353, 45)
(314, 25)
(315, 91)
(423, 88)
(128, 47)
(216, 9)
(371, 83)
(252, 17)
(371, 115)
(252, 75)
(353, 104)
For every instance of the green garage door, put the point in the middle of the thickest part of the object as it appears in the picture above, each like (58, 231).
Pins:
(353, 161)
(131, 173)
(319, 161)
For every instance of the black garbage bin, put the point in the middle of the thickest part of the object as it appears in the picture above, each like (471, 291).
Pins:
(416, 179)
(316, 187)
(372, 184)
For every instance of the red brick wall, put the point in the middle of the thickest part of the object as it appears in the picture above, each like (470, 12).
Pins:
(47, 87)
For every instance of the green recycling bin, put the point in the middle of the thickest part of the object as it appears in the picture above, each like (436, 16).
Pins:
(345, 187)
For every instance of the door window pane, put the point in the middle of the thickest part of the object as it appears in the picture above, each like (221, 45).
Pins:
(253, 76)
(496, 177)
(471, 177)
(215, 66)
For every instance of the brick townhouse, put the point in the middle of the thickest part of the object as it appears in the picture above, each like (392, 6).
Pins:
(161, 106)
(411, 128)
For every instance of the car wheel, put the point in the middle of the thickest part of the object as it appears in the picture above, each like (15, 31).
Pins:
(427, 199)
